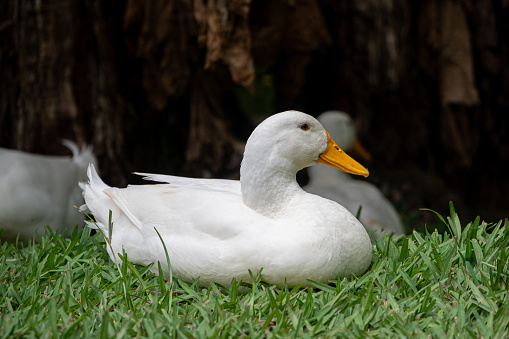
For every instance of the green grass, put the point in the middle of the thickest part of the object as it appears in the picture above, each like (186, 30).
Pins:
(435, 285)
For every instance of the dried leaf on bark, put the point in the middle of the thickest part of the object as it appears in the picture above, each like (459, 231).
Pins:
(224, 31)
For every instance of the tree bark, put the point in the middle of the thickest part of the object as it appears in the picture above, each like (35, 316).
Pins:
(60, 79)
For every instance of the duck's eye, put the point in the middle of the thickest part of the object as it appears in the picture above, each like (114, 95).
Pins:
(304, 127)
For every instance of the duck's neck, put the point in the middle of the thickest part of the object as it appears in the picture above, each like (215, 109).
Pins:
(323, 174)
(268, 187)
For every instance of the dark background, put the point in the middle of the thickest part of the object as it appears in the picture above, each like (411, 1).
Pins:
(177, 86)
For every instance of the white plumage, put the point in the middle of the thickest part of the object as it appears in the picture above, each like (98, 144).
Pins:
(377, 212)
(37, 190)
(217, 230)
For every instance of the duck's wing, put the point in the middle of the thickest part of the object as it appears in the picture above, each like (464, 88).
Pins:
(206, 231)
(189, 207)
(175, 209)
(225, 185)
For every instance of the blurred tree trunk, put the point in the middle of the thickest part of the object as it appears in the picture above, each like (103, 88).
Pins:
(59, 79)
(139, 80)
(188, 55)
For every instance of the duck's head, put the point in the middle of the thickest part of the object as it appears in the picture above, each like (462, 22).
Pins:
(341, 128)
(293, 140)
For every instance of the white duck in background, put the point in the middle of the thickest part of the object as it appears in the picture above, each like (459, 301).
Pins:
(38, 190)
(377, 212)
(217, 230)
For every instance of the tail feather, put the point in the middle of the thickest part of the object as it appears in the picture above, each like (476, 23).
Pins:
(72, 146)
(96, 198)
(81, 157)
(94, 179)
(91, 224)
(126, 231)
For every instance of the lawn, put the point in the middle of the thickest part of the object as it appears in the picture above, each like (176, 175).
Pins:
(425, 284)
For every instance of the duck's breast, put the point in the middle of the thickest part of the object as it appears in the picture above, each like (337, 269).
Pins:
(320, 240)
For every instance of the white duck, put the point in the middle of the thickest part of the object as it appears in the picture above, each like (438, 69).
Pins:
(377, 212)
(217, 230)
(38, 190)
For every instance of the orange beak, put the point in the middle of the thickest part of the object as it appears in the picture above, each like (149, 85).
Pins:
(336, 157)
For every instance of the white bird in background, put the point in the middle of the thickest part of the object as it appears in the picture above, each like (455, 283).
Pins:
(217, 230)
(38, 190)
(377, 213)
